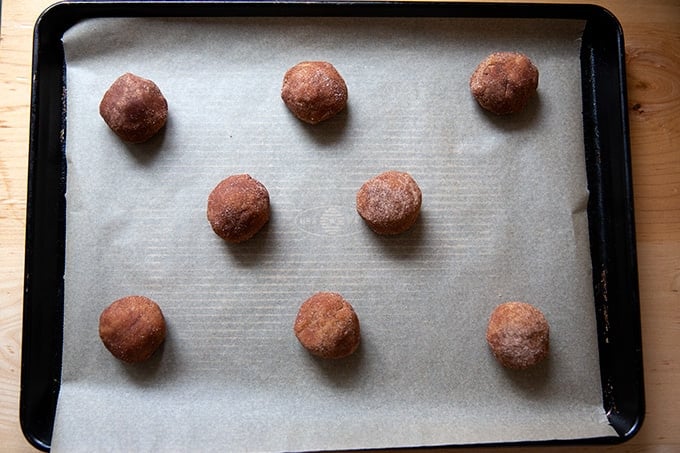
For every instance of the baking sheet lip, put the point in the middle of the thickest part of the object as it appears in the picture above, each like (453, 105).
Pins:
(40, 139)
(56, 19)
(71, 12)
(619, 255)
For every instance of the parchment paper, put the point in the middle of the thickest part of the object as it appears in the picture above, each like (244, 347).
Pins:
(503, 218)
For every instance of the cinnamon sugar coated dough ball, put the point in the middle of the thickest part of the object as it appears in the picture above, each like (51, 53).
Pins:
(518, 335)
(504, 82)
(134, 108)
(314, 91)
(238, 207)
(327, 326)
(132, 328)
(390, 202)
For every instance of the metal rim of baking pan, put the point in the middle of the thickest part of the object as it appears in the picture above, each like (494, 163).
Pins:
(608, 163)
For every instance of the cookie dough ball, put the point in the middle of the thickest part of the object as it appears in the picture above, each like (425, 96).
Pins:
(504, 82)
(390, 202)
(132, 328)
(134, 108)
(314, 91)
(518, 335)
(327, 326)
(238, 207)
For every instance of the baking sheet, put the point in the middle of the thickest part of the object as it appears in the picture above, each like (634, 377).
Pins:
(503, 219)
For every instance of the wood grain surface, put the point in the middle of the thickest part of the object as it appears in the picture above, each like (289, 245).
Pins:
(652, 35)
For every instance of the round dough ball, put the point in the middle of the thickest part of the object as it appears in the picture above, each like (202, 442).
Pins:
(314, 91)
(390, 202)
(518, 335)
(504, 82)
(134, 108)
(327, 326)
(238, 207)
(132, 328)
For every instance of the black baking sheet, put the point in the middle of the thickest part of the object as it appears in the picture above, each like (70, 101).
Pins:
(610, 210)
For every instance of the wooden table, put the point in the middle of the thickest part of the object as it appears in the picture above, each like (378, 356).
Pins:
(652, 34)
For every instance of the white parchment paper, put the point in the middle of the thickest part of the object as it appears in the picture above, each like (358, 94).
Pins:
(503, 218)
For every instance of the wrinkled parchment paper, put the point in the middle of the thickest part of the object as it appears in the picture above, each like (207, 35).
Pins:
(503, 218)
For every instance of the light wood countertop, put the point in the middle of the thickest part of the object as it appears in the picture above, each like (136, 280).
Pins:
(652, 36)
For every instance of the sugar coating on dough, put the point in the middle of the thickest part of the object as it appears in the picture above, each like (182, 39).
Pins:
(390, 202)
(518, 335)
(314, 91)
(238, 207)
(504, 82)
(132, 328)
(134, 108)
(327, 326)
